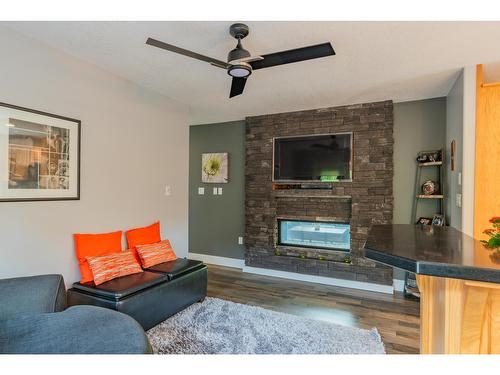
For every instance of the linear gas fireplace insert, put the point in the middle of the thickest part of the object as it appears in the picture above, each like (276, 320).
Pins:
(314, 234)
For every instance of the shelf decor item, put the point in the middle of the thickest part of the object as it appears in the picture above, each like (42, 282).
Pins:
(430, 187)
(429, 156)
(424, 221)
(214, 168)
(39, 155)
(438, 220)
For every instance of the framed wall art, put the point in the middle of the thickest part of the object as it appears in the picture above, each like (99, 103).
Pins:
(39, 155)
(214, 168)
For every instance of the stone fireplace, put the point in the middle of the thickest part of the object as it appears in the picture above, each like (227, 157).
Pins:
(331, 207)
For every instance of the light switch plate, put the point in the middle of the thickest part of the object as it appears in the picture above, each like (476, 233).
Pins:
(240, 240)
(201, 191)
(220, 190)
(168, 190)
(459, 178)
(215, 191)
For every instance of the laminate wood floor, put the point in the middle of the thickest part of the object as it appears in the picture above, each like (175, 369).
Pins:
(396, 318)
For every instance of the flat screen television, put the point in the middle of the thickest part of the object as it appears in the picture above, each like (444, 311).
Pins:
(319, 158)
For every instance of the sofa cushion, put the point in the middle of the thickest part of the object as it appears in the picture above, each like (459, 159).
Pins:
(94, 245)
(109, 267)
(143, 236)
(122, 287)
(156, 253)
(176, 268)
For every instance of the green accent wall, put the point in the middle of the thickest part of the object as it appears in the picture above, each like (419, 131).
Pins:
(216, 221)
(418, 126)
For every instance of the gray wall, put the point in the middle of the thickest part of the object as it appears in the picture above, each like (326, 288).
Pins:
(454, 131)
(418, 126)
(216, 221)
(134, 142)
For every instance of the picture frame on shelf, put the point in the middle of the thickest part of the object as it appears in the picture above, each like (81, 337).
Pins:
(438, 220)
(39, 155)
(424, 221)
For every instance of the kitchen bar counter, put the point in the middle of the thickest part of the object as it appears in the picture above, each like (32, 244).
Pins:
(434, 251)
(459, 282)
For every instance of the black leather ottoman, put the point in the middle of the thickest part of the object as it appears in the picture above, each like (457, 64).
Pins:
(176, 268)
(149, 297)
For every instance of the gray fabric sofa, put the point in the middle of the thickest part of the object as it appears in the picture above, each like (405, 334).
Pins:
(34, 320)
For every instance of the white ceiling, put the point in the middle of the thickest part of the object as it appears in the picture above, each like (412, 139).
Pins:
(375, 60)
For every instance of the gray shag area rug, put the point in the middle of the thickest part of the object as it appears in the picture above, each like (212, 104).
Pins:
(216, 326)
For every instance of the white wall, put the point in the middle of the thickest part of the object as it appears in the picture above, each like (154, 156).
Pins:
(134, 142)
(454, 131)
(469, 149)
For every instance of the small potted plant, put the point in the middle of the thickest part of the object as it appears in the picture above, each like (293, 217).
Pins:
(493, 243)
(493, 233)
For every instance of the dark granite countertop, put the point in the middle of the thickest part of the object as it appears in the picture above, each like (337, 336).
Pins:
(433, 250)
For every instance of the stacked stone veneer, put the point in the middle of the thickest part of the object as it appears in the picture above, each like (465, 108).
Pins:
(367, 200)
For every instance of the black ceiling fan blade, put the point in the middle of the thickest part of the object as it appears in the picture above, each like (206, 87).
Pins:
(237, 86)
(294, 55)
(185, 52)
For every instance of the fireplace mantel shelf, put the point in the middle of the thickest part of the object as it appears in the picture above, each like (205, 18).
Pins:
(324, 196)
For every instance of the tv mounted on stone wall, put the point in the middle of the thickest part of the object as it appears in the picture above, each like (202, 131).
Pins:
(313, 158)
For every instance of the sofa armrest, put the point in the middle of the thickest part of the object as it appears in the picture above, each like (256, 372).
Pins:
(32, 295)
(77, 330)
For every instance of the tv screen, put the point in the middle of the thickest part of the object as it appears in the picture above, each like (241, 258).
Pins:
(323, 158)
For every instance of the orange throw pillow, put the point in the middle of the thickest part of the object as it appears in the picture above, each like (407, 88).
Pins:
(143, 236)
(109, 267)
(156, 253)
(90, 245)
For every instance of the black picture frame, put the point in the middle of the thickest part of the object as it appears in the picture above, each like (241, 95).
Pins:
(424, 220)
(77, 143)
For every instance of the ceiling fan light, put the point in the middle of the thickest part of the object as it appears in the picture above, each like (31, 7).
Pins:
(239, 71)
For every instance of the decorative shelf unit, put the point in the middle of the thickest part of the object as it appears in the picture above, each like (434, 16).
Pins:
(439, 197)
(411, 288)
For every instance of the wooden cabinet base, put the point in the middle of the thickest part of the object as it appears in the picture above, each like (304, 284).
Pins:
(458, 316)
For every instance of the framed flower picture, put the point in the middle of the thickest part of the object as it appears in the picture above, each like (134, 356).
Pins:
(39, 155)
(214, 168)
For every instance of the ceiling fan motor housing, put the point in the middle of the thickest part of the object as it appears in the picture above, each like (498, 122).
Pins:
(238, 53)
(238, 68)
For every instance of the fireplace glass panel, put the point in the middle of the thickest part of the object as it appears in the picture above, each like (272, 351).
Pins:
(324, 235)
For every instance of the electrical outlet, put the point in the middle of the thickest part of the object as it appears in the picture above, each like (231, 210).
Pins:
(240, 240)
(220, 190)
(201, 191)
(459, 200)
(215, 191)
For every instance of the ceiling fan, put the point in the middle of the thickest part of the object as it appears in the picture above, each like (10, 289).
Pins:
(240, 63)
